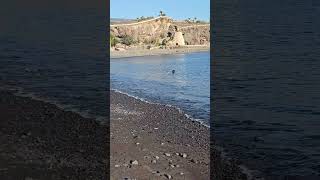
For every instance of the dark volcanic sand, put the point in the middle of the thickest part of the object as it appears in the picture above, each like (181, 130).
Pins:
(141, 131)
(41, 141)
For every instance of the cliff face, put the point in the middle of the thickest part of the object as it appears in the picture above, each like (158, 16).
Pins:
(163, 28)
(196, 35)
(146, 31)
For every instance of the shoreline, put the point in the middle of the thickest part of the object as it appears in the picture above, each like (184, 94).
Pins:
(200, 121)
(146, 133)
(43, 141)
(155, 52)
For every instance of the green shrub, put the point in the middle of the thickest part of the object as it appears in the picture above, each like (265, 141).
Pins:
(113, 40)
(127, 40)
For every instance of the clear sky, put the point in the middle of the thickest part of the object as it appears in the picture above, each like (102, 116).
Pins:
(177, 9)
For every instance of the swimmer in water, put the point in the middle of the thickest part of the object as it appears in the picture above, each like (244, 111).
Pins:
(173, 71)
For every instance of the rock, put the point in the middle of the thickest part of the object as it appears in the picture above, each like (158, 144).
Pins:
(181, 173)
(154, 161)
(157, 157)
(172, 166)
(137, 143)
(135, 162)
(178, 154)
(168, 176)
(167, 154)
(177, 165)
(117, 165)
(184, 155)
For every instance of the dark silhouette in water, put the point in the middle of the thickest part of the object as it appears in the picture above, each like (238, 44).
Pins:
(173, 71)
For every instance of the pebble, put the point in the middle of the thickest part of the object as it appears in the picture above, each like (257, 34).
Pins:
(137, 143)
(172, 166)
(157, 157)
(181, 173)
(184, 155)
(154, 161)
(135, 162)
(167, 154)
(117, 165)
(168, 176)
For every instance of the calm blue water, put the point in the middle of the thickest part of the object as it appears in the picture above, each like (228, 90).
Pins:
(151, 78)
(266, 85)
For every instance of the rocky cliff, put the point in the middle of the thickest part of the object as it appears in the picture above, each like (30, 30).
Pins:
(146, 32)
(163, 30)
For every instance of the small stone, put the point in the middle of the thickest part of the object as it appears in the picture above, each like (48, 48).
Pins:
(177, 154)
(157, 157)
(154, 161)
(184, 155)
(135, 162)
(29, 133)
(117, 165)
(168, 176)
(172, 166)
(137, 143)
(181, 173)
(177, 165)
(167, 154)
(162, 144)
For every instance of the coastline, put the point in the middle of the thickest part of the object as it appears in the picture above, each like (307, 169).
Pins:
(155, 137)
(153, 52)
(42, 141)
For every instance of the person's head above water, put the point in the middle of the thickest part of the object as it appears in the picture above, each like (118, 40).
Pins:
(173, 71)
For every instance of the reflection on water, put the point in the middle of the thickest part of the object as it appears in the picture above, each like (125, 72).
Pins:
(151, 77)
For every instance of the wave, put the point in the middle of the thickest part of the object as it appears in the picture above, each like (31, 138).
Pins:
(18, 91)
(201, 121)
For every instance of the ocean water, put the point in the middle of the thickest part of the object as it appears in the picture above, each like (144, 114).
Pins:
(55, 51)
(151, 78)
(266, 85)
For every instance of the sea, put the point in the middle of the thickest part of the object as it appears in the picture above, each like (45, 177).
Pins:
(179, 80)
(55, 51)
(266, 99)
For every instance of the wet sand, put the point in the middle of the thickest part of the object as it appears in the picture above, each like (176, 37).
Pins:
(153, 52)
(150, 141)
(41, 141)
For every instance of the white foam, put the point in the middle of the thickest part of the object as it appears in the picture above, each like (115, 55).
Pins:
(201, 121)
(18, 91)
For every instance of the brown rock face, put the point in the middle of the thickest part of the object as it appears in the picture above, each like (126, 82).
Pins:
(146, 31)
(155, 30)
(196, 35)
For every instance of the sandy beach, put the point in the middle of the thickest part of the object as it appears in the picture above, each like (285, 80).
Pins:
(151, 141)
(41, 141)
(152, 52)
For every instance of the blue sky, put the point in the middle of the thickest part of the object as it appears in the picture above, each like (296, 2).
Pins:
(177, 9)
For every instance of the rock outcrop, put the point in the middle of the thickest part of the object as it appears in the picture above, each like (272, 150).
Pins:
(163, 30)
(147, 32)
